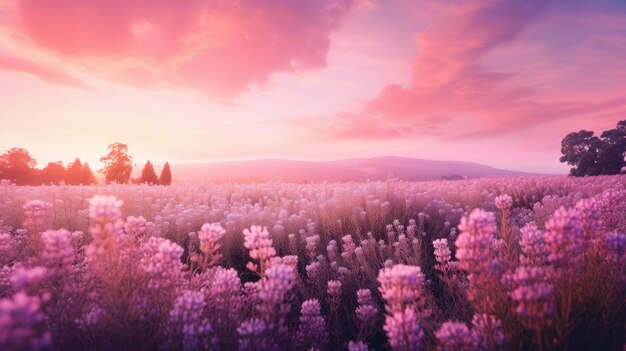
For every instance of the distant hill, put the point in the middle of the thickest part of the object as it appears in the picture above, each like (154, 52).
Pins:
(377, 168)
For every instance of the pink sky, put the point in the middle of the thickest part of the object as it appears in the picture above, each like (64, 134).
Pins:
(496, 82)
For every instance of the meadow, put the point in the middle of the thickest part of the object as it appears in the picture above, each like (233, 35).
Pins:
(507, 263)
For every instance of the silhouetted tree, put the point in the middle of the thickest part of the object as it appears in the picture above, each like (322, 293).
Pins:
(612, 154)
(591, 155)
(166, 175)
(74, 174)
(53, 173)
(148, 175)
(18, 166)
(118, 163)
(87, 177)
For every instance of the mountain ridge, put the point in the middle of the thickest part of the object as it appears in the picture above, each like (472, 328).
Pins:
(342, 170)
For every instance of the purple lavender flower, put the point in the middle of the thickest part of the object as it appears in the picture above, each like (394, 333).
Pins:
(58, 250)
(564, 238)
(403, 330)
(504, 202)
(474, 244)
(454, 336)
(533, 293)
(22, 324)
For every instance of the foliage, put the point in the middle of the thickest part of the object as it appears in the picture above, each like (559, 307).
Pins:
(53, 173)
(74, 173)
(118, 164)
(18, 166)
(591, 155)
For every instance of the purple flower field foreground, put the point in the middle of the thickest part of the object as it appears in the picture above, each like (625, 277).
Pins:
(533, 263)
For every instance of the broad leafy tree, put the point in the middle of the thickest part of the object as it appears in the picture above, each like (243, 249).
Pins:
(74, 173)
(53, 173)
(592, 155)
(18, 166)
(118, 164)
(87, 177)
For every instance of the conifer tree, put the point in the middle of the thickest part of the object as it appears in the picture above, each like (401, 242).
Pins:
(166, 175)
(148, 175)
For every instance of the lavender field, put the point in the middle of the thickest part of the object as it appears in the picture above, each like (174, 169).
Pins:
(534, 263)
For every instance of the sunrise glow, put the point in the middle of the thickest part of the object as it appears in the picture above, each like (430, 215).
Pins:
(495, 82)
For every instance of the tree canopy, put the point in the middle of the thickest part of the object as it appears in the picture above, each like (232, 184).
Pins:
(18, 166)
(118, 164)
(592, 155)
(53, 173)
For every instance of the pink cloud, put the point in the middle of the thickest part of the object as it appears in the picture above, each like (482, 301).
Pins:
(46, 73)
(220, 48)
(456, 91)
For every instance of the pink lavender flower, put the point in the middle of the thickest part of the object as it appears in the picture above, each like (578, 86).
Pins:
(367, 316)
(534, 251)
(253, 336)
(364, 297)
(211, 233)
(312, 270)
(504, 202)
(311, 245)
(280, 279)
(106, 228)
(357, 346)
(58, 250)
(456, 336)
(488, 332)
(105, 209)
(37, 215)
(332, 251)
(534, 295)
(590, 213)
(135, 226)
(334, 288)
(257, 239)
(615, 247)
(475, 241)
(403, 330)
(6, 286)
(291, 261)
(613, 203)
(226, 282)
(442, 251)
(22, 323)
(401, 285)
(28, 278)
(91, 318)
(160, 261)
(312, 331)
(564, 238)
(187, 313)
(348, 244)
(6, 250)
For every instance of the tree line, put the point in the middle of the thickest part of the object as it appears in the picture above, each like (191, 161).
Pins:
(19, 167)
(592, 155)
